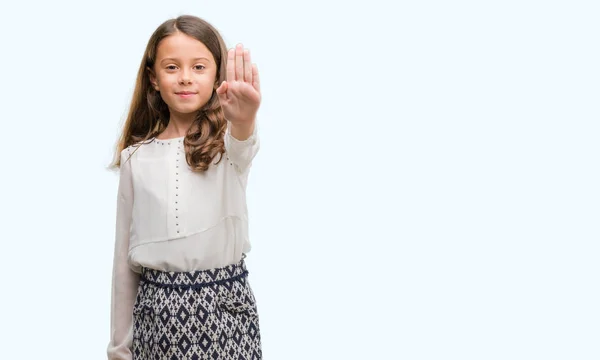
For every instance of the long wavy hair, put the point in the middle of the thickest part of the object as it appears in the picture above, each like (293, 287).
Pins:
(148, 113)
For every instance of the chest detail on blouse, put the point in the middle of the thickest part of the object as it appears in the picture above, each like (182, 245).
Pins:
(172, 198)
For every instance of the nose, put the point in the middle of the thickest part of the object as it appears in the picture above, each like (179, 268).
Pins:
(185, 78)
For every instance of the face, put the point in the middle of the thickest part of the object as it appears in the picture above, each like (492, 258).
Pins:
(184, 73)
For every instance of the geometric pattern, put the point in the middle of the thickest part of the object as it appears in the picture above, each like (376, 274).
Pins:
(203, 314)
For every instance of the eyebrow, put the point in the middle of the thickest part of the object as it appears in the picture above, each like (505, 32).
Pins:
(175, 59)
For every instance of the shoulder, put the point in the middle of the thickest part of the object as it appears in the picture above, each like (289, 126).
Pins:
(134, 148)
(126, 153)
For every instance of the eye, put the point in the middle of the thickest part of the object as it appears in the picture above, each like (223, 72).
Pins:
(171, 67)
(199, 67)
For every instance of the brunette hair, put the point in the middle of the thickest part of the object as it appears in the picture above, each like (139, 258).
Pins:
(148, 113)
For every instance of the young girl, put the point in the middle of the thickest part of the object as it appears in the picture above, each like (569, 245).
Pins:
(180, 287)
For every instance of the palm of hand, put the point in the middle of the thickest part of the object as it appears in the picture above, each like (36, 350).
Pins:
(239, 94)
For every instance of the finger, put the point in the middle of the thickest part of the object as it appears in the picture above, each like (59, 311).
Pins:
(222, 98)
(222, 89)
(231, 65)
(255, 80)
(239, 62)
(247, 67)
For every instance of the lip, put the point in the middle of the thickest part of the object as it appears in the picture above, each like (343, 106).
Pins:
(185, 94)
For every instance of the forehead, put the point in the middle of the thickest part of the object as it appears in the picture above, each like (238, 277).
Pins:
(182, 47)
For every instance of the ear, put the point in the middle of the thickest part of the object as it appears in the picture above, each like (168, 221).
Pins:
(153, 79)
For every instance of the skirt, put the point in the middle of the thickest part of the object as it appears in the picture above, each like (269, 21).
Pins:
(204, 314)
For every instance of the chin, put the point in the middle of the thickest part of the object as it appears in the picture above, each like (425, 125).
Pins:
(185, 110)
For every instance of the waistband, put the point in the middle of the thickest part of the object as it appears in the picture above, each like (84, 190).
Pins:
(195, 279)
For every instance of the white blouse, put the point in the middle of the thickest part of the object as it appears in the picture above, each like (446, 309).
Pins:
(172, 219)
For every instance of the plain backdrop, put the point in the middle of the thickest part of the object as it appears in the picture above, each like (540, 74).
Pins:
(427, 185)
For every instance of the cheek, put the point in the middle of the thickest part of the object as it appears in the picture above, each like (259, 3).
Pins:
(206, 86)
(165, 80)
(207, 95)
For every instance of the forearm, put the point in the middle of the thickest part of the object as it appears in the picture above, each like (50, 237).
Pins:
(242, 130)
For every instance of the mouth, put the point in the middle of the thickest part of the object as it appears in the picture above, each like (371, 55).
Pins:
(186, 94)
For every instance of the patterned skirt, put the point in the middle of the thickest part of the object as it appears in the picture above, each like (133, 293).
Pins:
(204, 314)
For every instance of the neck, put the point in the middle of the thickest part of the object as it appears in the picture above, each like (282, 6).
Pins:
(178, 125)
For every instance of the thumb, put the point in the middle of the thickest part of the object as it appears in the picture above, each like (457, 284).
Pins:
(222, 90)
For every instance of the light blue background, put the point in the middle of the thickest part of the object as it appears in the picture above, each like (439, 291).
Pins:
(427, 186)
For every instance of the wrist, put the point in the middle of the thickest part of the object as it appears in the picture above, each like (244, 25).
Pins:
(242, 130)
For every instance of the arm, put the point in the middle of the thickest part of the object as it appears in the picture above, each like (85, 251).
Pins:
(124, 280)
(242, 143)
(240, 99)
(242, 131)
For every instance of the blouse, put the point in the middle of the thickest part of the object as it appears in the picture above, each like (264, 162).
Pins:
(172, 219)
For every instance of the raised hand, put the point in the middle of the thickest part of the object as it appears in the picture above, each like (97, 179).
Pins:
(239, 94)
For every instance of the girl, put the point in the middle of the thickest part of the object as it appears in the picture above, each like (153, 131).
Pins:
(179, 285)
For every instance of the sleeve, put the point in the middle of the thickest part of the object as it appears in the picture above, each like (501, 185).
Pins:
(124, 280)
(241, 153)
